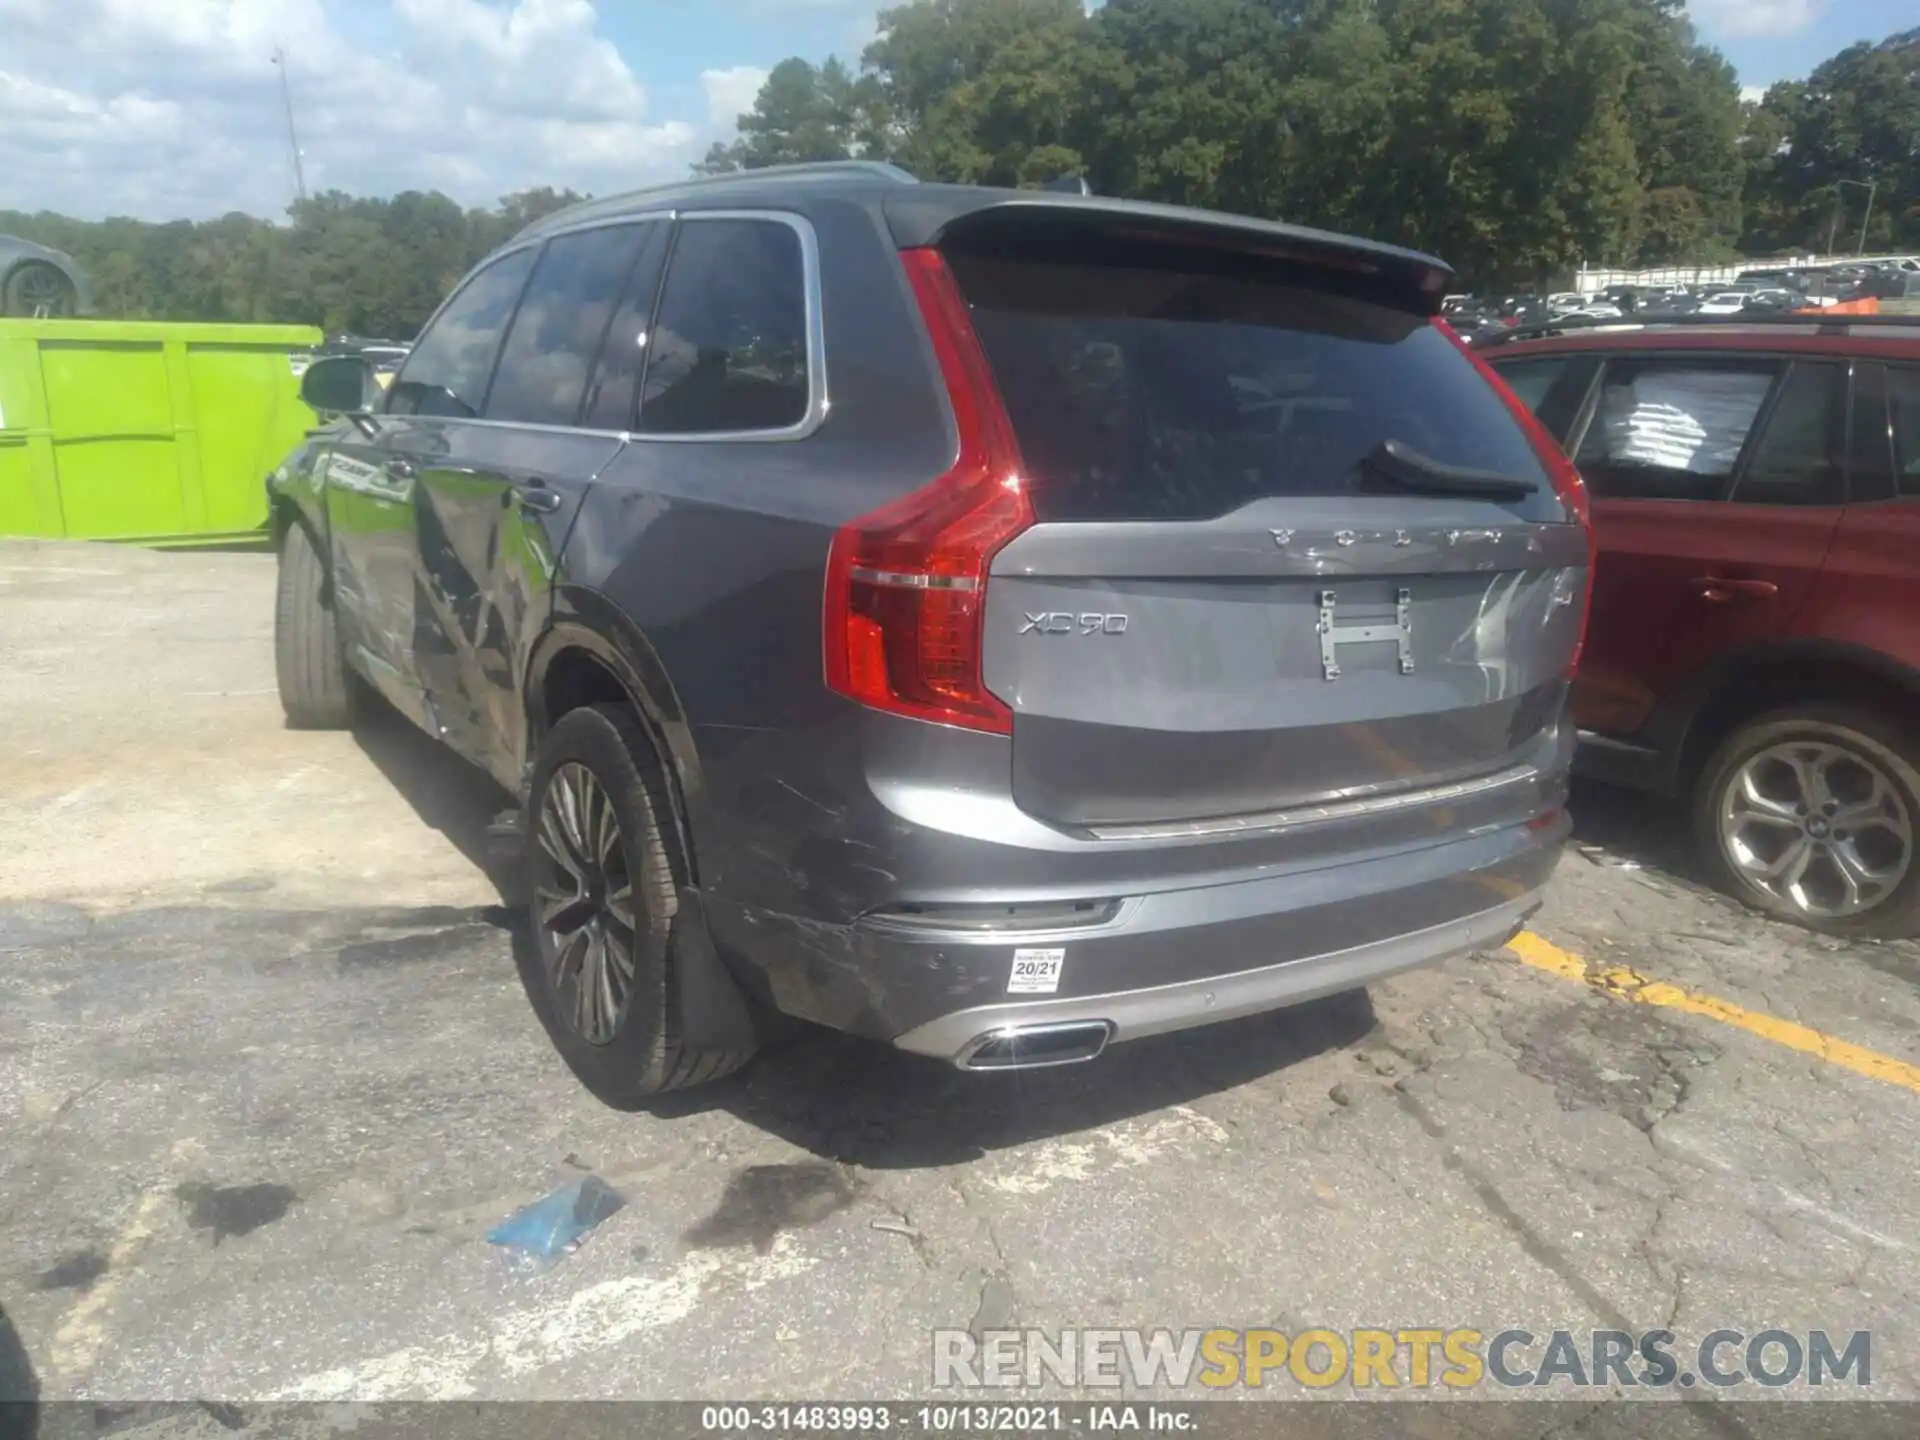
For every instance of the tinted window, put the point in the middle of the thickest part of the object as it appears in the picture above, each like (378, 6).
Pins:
(1671, 429)
(557, 332)
(1554, 388)
(1148, 393)
(613, 399)
(1532, 379)
(1870, 459)
(729, 348)
(1794, 463)
(448, 371)
(1903, 405)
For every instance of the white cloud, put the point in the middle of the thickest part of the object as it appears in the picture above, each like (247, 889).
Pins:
(1753, 94)
(1747, 19)
(731, 92)
(861, 33)
(170, 108)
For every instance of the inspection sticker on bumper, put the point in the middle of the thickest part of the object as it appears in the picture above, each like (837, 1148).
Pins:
(1036, 972)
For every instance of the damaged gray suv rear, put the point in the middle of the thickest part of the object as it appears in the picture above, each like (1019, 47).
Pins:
(1000, 624)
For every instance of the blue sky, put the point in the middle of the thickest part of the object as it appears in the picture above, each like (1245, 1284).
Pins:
(172, 109)
(1770, 40)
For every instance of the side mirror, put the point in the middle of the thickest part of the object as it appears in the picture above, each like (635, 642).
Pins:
(339, 385)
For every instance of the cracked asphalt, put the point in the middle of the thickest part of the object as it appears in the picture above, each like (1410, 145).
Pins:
(262, 1106)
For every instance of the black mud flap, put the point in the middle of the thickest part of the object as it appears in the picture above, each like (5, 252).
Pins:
(714, 1012)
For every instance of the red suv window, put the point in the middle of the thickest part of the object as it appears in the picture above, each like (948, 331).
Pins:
(1685, 428)
(1903, 406)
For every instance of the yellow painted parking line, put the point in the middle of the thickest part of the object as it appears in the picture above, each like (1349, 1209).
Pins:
(1624, 983)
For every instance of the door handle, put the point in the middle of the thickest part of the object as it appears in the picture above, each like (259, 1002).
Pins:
(1717, 591)
(538, 496)
(400, 469)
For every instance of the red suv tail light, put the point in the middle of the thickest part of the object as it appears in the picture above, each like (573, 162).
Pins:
(1567, 483)
(907, 584)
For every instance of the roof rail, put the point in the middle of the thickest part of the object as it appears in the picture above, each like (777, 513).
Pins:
(694, 184)
(1819, 323)
(875, 169)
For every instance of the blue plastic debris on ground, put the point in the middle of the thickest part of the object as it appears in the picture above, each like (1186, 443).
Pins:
(551, 1227)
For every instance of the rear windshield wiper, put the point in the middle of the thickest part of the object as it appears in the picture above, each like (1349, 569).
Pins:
(1398, 463)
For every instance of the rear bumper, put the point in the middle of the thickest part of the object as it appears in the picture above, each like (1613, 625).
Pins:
(1130, 1014)
(1155, 960)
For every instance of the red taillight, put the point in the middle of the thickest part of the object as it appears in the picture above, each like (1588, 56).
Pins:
(907, 584)
(1567, 483)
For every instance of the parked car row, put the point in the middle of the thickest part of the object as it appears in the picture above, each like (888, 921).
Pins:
(1479, 321)
(1759, 291)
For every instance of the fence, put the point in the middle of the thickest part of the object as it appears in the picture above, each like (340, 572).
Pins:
(1690, 275)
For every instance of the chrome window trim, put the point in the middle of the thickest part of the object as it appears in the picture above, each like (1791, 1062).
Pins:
(1323, 814)
(538, 428)
(818, 400)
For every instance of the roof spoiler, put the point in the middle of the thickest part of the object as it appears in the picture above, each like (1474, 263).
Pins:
(1077, 226)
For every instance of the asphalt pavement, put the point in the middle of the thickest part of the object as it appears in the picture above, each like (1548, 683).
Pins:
(268, 1082)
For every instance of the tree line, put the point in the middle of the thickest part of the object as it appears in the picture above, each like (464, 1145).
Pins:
(1516, 138)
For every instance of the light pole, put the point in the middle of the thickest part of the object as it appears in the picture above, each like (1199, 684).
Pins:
(1872, 187)
(293, 137)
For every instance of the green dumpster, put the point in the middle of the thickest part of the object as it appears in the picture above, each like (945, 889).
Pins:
(158, 434)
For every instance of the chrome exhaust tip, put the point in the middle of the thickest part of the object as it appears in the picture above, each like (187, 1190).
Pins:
(1031, 1047)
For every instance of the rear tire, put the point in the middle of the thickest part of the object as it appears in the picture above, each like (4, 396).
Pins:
(1827, 793)
(317, 690)
(603, 882)
(36, 290)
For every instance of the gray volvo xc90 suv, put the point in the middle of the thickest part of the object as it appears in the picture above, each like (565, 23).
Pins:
(996, 623)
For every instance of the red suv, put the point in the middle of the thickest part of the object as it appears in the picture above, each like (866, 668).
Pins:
(1755, 637)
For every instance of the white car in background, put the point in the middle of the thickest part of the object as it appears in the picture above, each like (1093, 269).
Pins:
(1724, 302)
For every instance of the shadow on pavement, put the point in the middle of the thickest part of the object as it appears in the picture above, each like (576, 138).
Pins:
(1647, 830)
(19, 1388)
(862, 1102)
(457, 799)
(859, 1102)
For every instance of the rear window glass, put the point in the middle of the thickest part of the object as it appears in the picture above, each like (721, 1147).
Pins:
(1157, 394)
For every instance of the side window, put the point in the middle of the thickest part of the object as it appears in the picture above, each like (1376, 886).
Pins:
(1532, 379)
(559, 326)
(448, 370)
(1672, 429)
(729, 348)
(614, 396)
(1870, 462)
(1796, 462)
(1903, 406)
(1553, 387)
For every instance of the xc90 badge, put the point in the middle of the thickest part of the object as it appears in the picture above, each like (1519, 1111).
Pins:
(1062, 622)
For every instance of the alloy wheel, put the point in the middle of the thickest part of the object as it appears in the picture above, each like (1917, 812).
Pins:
(1818, 826)
(584, 903)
